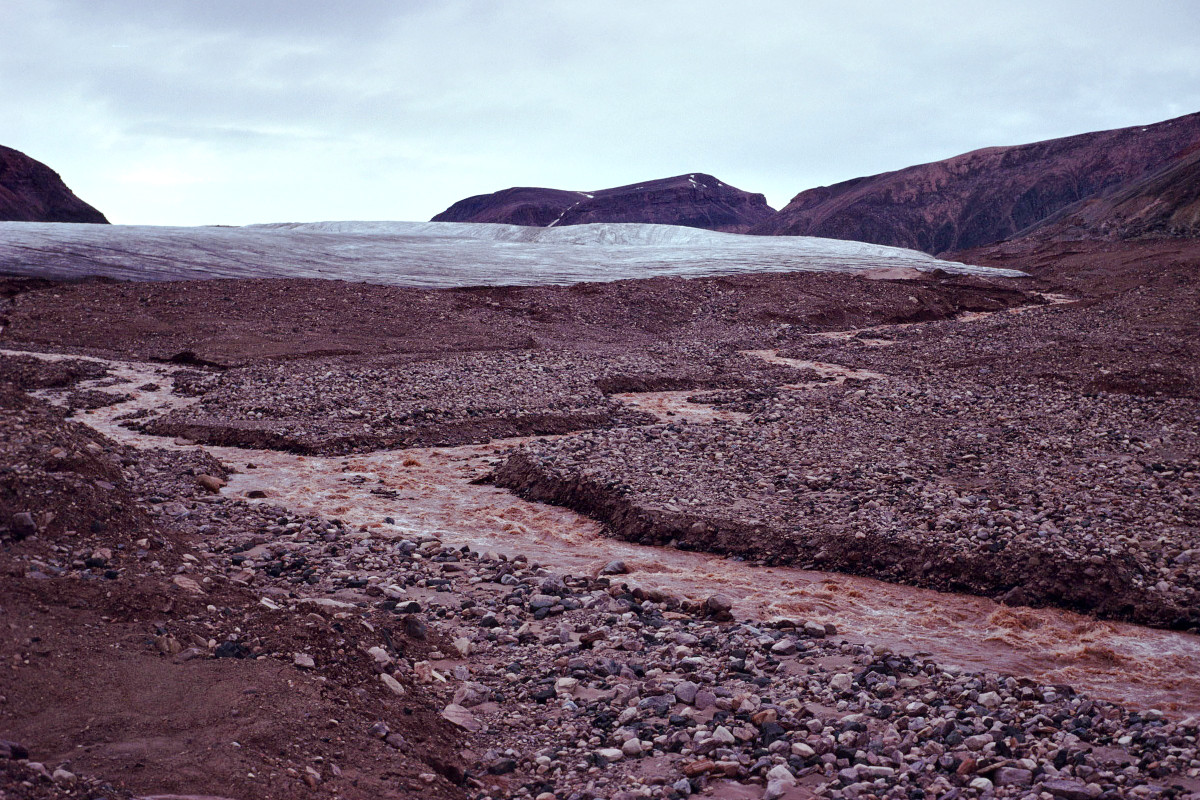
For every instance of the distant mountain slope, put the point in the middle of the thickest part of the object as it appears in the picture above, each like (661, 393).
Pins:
(520, 205)
(1165, 202)
(32, 192)
(695, 200)
(983, 196)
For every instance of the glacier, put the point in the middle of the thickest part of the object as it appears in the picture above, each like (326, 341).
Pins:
(434, 254)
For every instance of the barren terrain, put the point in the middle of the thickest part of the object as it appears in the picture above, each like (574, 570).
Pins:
(307, 613)
(995, 193)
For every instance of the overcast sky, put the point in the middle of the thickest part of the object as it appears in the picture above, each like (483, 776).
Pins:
(221, 111)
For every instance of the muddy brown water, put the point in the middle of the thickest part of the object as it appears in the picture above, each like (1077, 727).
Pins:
(430, 491)
(834, 373)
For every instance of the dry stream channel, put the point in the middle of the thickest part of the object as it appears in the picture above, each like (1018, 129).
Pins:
(430, 491)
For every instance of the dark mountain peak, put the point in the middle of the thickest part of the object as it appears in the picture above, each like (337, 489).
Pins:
(696, 200)
(32, 192)
(985, 195)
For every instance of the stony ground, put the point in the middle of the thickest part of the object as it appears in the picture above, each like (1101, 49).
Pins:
(336, 406)
(326, 367)
(1048, 457)
(253, 652)
(1031, 495)
(238, 322)
(166, 639)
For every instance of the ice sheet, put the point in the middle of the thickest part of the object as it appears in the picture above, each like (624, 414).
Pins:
(433, 254)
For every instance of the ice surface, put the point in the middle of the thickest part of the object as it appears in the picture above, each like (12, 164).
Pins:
(432, 254)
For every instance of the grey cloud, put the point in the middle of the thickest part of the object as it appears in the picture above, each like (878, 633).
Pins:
(398, 109)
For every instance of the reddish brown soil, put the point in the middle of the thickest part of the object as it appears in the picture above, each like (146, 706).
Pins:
(88, 687)
(1092, 268)
(325, 367)
(306, 319)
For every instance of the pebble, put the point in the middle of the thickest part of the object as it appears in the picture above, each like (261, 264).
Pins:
(23, 525)
(981, 784)
(61, 775)
(392, 684)
(842, 682)
(722, 735)
(719, 607)
(462, 718)
(210, 482)
(686, 692)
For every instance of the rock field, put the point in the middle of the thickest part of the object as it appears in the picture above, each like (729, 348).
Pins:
(1033, 495)
(167, 639)
(553, 685)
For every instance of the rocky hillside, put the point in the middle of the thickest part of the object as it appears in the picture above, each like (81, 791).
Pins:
(32, 192)
(987, 195)
(520, 205)
(1166, 202)
(695, 200)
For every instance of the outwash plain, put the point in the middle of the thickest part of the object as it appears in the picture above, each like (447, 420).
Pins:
(613, 509)
(903, 533)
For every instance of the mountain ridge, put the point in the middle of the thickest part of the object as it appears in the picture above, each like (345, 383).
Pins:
(985, 195)
(30, 191)
(1163, 203)
(693, 200)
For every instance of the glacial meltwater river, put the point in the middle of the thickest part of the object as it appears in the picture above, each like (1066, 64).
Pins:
(431, 491)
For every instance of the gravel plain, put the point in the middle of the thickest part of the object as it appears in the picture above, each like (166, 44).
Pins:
(1045, 457)
(412, 666)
